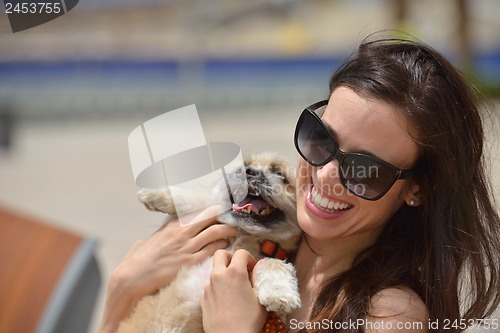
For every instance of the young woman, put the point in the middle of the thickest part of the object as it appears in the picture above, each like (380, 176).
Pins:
(400, 230)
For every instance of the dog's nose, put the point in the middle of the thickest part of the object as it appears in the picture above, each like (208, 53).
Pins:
(253, 172)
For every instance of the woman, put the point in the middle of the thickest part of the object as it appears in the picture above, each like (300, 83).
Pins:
(392, 198)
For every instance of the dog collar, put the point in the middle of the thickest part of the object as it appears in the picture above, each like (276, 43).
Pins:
(274, 324)
(273, 250)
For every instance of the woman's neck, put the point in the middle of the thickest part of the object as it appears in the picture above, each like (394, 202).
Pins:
(326, 258)
(319, 260)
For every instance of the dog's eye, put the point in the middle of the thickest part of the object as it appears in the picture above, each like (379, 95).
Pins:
(279, 172)
(283, 178)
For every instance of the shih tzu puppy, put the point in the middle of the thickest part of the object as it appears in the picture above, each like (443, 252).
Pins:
(266, 220)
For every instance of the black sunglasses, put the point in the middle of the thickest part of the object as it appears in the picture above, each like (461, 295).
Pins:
(363, 175)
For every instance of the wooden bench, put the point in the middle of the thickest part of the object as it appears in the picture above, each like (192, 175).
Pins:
(49, 277)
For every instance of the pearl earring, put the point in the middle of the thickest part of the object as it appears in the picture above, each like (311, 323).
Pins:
(412, 202)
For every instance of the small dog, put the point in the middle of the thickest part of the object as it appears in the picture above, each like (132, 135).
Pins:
(266, 216)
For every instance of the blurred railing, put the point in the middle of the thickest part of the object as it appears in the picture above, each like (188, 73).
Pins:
(112, 89)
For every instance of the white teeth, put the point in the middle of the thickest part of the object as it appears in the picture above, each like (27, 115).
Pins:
(324, 203)
(327, 204)
(317, 199)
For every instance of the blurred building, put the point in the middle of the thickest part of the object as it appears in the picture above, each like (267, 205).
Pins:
(125, 58)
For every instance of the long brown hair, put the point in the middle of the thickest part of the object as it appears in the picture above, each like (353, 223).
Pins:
(447, 249)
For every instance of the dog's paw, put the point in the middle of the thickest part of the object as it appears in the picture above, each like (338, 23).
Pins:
(158, 200)
(276, 284)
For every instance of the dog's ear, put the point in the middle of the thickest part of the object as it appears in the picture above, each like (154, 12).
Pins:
(158, 200)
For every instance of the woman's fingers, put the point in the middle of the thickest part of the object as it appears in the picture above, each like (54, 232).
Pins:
(212, 234)
(237, 265)
(198, 240)
(230, 292)
(201, 220)
(202, 233)
(206, 231)
(243, 258)
(209, 250)
(221, 260)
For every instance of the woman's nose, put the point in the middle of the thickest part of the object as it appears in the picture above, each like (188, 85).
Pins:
(328, 176)
(329, 170)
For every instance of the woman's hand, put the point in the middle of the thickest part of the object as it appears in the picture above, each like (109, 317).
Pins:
(153, 263)
(229, 303)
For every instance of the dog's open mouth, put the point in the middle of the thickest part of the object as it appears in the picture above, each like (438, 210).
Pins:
(256, 208)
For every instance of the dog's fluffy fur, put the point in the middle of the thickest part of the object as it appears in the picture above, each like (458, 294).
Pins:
(176, 308)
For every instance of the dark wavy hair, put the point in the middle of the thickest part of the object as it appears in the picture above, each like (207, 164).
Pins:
(447, 249)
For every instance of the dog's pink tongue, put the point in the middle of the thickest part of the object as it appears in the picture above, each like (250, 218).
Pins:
(255, 204)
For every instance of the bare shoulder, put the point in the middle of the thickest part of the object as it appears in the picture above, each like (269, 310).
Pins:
(395, 310)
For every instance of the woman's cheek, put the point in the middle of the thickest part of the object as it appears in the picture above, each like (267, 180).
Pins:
(304, 173)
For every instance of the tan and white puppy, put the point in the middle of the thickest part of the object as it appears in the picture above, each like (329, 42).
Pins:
(268, 213)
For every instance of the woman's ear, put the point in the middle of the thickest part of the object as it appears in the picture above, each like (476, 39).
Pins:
(413, 197)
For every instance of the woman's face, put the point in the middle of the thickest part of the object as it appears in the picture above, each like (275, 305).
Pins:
(363, 126)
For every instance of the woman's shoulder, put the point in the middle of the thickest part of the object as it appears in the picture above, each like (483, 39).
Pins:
(397, 309)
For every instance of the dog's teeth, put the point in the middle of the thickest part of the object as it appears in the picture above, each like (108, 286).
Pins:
(265, 211)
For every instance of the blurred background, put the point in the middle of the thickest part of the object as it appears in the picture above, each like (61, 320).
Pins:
(72, 90)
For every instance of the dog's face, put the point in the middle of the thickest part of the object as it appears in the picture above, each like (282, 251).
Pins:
(270, 205)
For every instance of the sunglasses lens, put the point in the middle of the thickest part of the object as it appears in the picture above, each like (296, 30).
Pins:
(366, 177)
(312, 140)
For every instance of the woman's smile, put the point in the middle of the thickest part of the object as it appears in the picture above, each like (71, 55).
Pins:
(324, 206)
